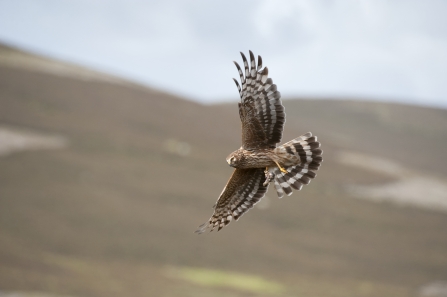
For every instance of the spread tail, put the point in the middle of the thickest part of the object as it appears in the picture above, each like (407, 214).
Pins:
(306, 147)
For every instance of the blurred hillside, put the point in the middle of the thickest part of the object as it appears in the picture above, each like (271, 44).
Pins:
(111, 209)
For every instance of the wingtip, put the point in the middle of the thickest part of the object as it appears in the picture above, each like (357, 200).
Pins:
(265, 71)
(202, 228)
(252, 57)
(243, 57)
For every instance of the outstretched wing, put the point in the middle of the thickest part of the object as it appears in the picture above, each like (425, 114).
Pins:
(244, 189)
(261, 111)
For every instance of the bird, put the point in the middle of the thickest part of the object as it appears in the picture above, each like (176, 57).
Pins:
(260, 160)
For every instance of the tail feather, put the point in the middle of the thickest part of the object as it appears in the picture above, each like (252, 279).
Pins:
(317, 152)
(278, 188)
(306, 147)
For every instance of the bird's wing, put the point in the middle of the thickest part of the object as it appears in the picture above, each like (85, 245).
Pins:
(244, 189)
(261, 111)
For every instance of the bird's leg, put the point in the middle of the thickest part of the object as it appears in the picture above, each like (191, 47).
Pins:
(269, 176)
(280, 168)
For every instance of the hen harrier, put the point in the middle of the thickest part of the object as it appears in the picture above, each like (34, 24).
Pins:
(259, 160)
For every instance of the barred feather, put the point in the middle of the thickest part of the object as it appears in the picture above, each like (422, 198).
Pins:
(306, 147)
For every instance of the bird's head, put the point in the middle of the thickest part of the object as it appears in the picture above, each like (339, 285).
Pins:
(233, 159)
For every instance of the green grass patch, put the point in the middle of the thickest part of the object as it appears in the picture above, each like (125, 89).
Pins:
(226, 279)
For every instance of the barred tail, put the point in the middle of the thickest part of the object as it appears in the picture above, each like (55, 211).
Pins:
(306, 147)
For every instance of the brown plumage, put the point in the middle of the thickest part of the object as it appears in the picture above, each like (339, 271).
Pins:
(260, 161)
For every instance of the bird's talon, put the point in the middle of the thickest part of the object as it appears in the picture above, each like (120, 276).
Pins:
(280, 168)
(269, 176)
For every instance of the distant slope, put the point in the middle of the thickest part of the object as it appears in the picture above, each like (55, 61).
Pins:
(412, 135)
(13, 57)
(112, 212)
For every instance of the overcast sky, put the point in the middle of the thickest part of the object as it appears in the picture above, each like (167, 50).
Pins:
(380, 49)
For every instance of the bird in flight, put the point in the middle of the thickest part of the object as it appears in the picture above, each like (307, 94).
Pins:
(260, 160)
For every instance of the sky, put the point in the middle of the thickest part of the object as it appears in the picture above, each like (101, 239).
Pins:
(374, 49)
